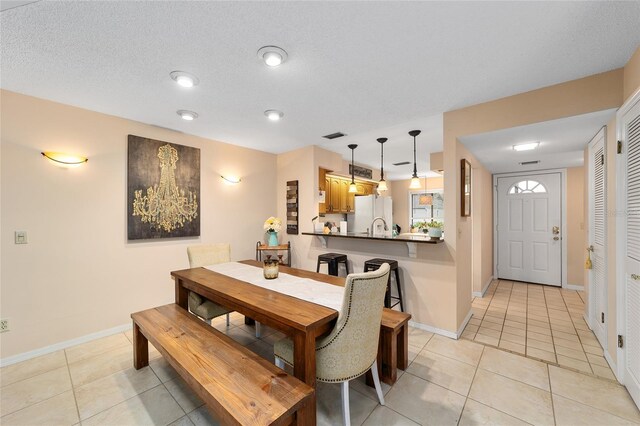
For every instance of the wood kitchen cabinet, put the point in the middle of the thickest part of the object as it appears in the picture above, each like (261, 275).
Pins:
(335, 187)
(368, 188)
(338, 199)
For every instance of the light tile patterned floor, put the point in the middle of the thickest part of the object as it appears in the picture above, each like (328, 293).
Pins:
(447, 382)
(540, 322)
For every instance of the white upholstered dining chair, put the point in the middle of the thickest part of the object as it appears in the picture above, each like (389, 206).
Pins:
(204, 255)
(351, 348)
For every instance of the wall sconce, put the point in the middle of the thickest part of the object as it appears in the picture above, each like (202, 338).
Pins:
(231, 180)
(64, 160)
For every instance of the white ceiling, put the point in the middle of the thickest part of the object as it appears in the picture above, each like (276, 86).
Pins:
(562, 143)
(363, 68)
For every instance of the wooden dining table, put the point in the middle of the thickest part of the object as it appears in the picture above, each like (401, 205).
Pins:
(301, 320)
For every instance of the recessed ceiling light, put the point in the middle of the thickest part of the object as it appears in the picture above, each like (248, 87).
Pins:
(187, 115)
(526, 146)
(184, 79)
(274, 115)
(272, 55)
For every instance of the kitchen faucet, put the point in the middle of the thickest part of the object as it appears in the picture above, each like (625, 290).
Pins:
(386, 228)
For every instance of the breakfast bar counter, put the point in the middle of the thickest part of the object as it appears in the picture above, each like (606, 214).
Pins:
(410, 239)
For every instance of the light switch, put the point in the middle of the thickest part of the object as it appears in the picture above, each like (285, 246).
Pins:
(21, 237)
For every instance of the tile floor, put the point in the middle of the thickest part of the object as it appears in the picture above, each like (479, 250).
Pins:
(541, 322)
(447, 382)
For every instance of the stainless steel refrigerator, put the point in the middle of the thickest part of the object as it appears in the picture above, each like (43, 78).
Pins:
(368, 207)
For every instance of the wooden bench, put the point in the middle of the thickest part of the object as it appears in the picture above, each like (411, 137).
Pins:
(237, 385)
(393, 347)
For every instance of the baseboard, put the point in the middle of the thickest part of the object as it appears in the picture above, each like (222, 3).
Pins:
(440, 331)
(614, 367)
(484, 289)
(586, 319)
(464, 324)
(574, 287)
(63, 345)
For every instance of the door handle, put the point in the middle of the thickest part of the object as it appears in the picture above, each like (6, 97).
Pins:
(555, 230)
(556, 238)
(635, 277)
(590, 248)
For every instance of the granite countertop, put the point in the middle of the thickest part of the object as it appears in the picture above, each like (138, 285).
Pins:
(405, 238)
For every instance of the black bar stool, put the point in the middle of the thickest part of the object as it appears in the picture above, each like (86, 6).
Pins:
(372, 265)
(332, 260)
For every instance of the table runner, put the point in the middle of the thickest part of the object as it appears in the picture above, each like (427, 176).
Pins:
(302, 288)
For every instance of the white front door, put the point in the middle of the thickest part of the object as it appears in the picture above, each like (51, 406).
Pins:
(630, 126)
(596, 237)
(529, 228)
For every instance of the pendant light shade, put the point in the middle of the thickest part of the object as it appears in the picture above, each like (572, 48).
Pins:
(382, 185)
(352, 187)
(415, 181)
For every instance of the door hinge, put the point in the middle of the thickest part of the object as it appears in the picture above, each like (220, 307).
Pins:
(619, 147)
(602, 317)
(602, 159)
(620, 341)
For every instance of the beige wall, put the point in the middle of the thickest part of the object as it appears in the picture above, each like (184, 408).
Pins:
(576, 226)
(589, 94)
(400, 191)
(482, 214)
(632, 75)
(79, 275)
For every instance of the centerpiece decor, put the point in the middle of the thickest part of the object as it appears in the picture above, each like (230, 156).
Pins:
(272, 226)
(270, 269)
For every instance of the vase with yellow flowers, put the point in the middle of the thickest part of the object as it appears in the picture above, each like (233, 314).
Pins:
(272, 226)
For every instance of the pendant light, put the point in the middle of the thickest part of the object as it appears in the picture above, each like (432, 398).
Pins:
(352, 186)
(382, 185)
(415, 180)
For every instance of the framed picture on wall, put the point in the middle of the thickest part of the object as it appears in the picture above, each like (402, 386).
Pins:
(465, 188)
(163, 189)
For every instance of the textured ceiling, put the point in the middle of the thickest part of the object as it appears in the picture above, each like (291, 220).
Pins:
(358, 67)
(562, 143)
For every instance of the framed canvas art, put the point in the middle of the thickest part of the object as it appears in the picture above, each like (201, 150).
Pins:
(163, 189)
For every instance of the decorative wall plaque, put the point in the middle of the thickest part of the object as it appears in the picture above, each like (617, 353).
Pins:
(362, 172)
(292, 207)
(163, 189)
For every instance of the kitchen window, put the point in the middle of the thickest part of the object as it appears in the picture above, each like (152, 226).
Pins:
(425, 206)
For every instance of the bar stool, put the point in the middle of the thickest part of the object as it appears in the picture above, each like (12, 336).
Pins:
(372, 265)
(332, 260)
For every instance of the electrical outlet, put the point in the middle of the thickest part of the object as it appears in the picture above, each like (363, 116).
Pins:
(21, 237)
(4, 325)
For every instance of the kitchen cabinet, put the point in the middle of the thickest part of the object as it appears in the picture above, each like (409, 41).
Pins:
(338, 199)
(323, 186)
(351, 197)
(368, 188)
(334, 201)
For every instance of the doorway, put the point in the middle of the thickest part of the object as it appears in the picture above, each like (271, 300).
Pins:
(529, 227)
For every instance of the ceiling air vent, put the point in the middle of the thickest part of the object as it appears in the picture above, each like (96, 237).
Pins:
(529, 163)
(334, 135)
(402, 163)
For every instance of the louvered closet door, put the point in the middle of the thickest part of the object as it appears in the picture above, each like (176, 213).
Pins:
(631, 139)
(597, 275)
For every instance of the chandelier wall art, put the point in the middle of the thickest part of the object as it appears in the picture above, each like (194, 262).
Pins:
(163, 189)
